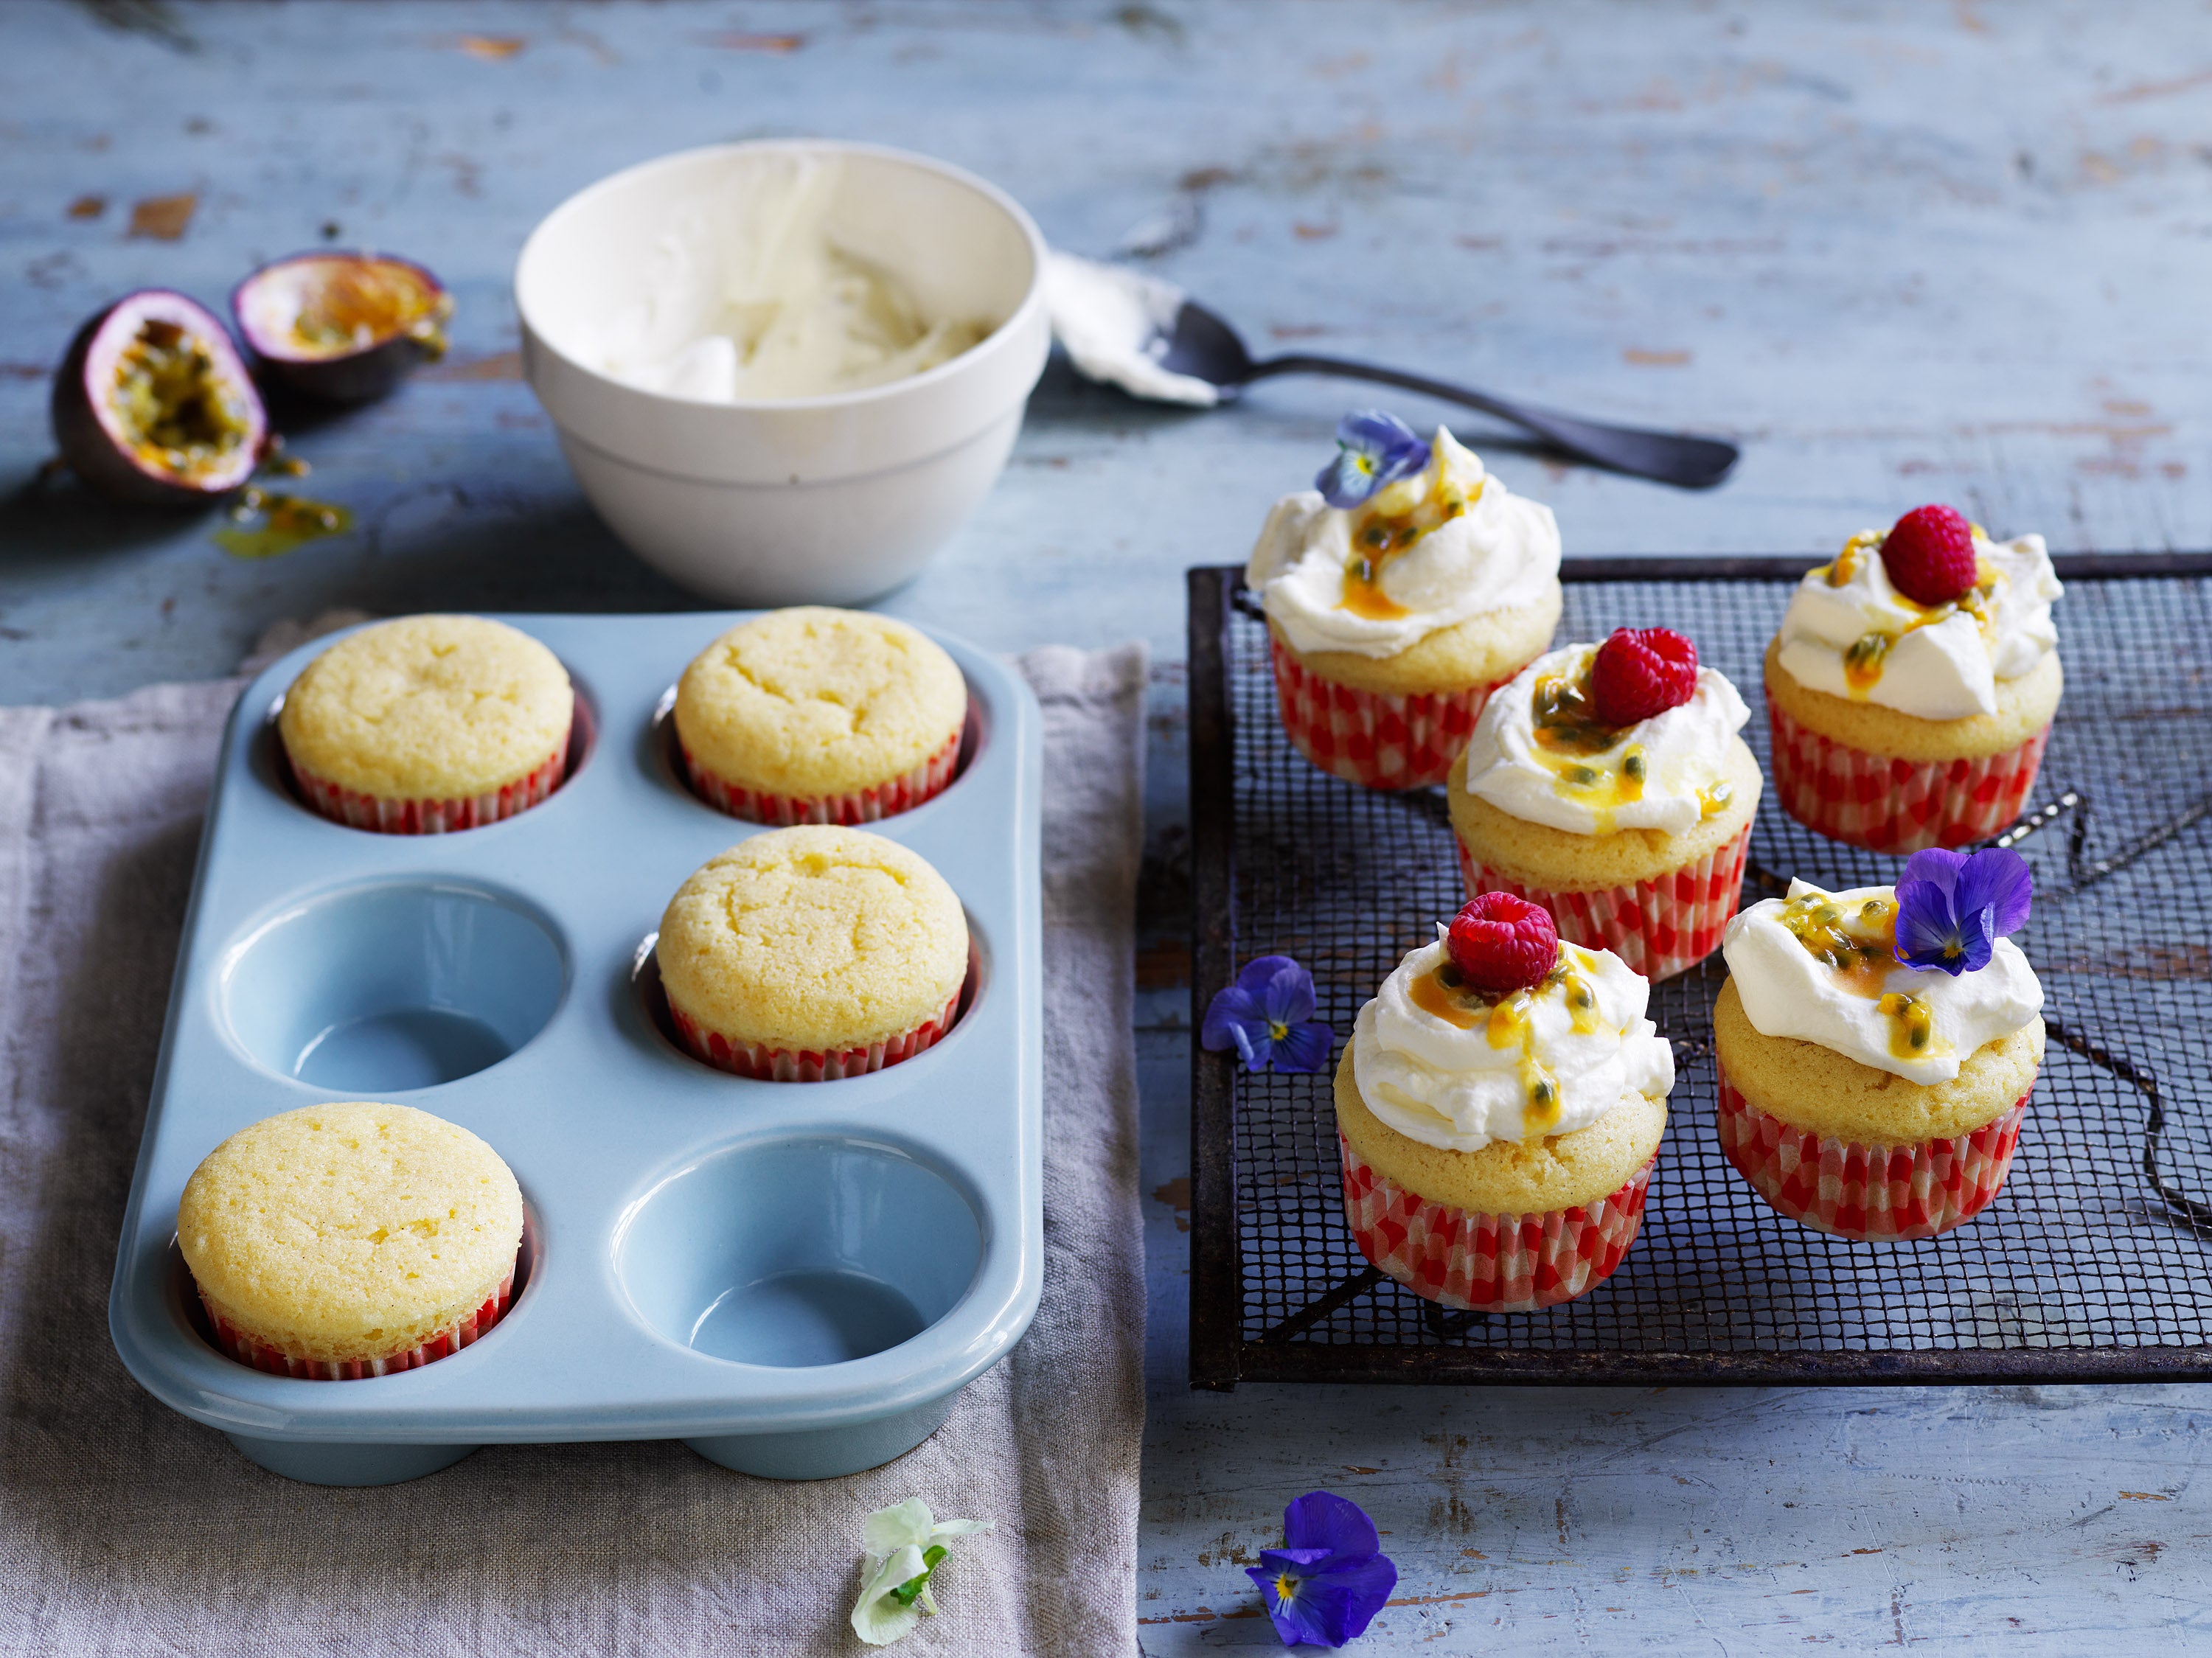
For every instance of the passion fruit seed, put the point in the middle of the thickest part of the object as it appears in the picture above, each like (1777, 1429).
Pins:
(153, 404)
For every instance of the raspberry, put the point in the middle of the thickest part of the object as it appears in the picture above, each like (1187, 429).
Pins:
(1641, 671)
(1930, 555)
(1501, 943)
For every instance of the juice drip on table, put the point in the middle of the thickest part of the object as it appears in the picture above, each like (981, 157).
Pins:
(1867, 655)
(1507, 1022)
(1588, 761)
(1858, 943)
(267, 522)
(1384, 528)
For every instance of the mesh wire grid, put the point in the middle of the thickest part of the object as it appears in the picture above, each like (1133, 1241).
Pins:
(2090, 1265)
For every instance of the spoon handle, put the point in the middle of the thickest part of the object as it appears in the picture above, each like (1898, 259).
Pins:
(1691, 463)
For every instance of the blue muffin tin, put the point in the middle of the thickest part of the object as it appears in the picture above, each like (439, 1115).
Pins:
(795, 1279)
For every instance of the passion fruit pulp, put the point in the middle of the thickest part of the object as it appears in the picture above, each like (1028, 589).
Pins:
(345, 327)
(153, 403)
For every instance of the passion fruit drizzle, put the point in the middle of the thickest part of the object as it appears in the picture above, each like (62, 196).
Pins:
(1507, 1022)
(360, 303)
(1911, 1026)
(1857, 943)
(1380, 534)
(1845, 568)
(1588, 762)
(176, 414)
(1865, 656)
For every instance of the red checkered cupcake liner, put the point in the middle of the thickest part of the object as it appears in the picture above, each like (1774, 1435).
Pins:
(251, 1350)
(1374, 739)
(1489, 1263)
(368, 811)
(1660, 928)
(1870, 1194)
(785, 1064)
(868, 805)
(1883, 805)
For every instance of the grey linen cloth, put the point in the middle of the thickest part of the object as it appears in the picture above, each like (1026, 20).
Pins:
(126, 1529)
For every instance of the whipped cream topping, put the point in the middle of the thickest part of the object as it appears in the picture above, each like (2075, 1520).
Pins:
(1454, 1069)
(1113, 323)
(1469, 546)
(1849, 633)
(1821, 967)
(1532, 758)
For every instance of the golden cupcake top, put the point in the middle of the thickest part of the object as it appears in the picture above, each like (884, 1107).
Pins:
(1499, 1031)
(1910, 981)
(813, 700)
(1401, 538)
(351, 1230)
(1591, 739)
(1930, 618)
(429, 708)
(815, 939)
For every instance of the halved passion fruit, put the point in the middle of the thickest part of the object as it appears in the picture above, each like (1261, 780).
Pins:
(153, 403)
(343, 326)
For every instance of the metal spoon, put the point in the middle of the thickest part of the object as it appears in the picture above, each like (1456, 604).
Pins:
(1205, 346)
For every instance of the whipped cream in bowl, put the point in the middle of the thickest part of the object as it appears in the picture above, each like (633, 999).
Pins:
(1427, 552)
(1446, 1066)
(1540, 754)
(1848, 631)
(785, 371)
(1821, 967)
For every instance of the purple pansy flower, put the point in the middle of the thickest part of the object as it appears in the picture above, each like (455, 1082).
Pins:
(1952, 908)
(1328, 1583)
(1372, 449)
(1267, 1016)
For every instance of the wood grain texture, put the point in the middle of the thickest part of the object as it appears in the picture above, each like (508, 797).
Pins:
(1903, 250)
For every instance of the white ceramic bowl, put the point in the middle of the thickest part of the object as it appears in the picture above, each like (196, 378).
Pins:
(823, 499)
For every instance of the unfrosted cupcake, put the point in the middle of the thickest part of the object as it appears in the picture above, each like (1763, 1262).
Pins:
(339, 1241)
(1912, 685)
(428, 723)
(821, 716)
(804, 955)
(1498, 1111)
(1607, 783)
(1875, 1048)
(1399, 594)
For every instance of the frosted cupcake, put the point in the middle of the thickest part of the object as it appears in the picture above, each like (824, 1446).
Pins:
(804, 955)
(1875, 1048)
(1912, 685)
(1400, 593)
(427, 723)
(340, 1241)
(1608, 783)
(820, 716)
(1498, 1111)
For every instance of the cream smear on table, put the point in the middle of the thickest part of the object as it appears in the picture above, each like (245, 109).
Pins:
(763, 303)
(1113, 323)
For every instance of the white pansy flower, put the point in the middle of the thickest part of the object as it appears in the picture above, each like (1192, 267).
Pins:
(904, 1544)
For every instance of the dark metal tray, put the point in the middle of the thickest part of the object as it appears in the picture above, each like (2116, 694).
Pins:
(2094, 1264)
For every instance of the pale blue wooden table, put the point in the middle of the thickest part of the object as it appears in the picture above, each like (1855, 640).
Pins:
(1905, 252)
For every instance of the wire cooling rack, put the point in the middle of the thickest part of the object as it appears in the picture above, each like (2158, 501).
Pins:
(2094, 1265)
